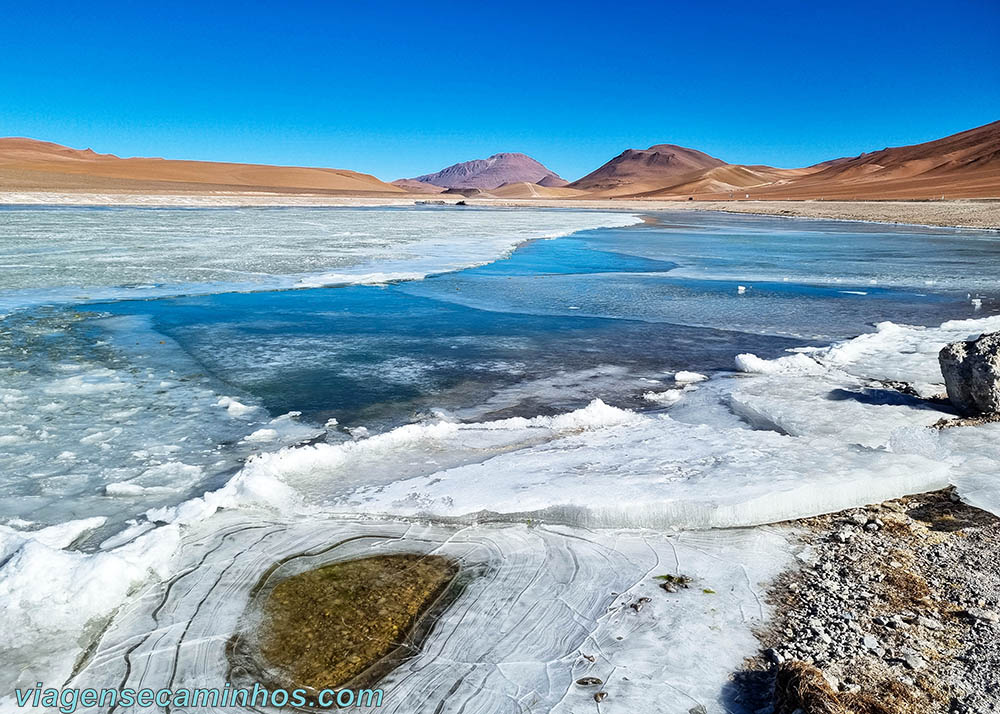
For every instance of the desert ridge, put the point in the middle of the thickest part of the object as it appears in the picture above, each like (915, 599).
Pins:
(27, 164)
(961, 166)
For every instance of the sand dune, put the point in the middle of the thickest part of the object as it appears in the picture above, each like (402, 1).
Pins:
(29, 164)
(730, 179)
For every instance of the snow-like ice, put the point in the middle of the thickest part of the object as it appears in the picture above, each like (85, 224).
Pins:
(80, 254)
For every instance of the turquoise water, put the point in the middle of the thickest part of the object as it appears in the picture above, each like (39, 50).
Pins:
(94, 395)
(602, 311)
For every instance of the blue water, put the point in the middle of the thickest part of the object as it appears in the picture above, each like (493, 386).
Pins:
(602, 311)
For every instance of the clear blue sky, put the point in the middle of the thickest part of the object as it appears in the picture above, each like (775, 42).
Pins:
(400, 89)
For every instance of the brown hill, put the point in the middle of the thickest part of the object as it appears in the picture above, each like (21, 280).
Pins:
(963, 165)
(27, 164)
(414, 186)
(552, 181)
(635, 171)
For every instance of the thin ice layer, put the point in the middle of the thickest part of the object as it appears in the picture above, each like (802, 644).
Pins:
(133, 253)
(537, 600)
(107, 418)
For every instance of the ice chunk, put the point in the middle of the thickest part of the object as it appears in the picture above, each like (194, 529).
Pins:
(55, 600)
(684, 377)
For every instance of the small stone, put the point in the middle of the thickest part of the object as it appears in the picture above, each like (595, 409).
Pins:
(974, 613)
(870, 642)
(600, 696)
(589, 681)
(843, 535)
(914, 661)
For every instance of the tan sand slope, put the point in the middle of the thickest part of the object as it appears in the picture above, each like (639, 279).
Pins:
(728, 179)
(964, 165)
(523, 189)
(414, 186)
(30, 164)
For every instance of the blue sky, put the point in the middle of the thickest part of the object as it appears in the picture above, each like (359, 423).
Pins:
(400, 89)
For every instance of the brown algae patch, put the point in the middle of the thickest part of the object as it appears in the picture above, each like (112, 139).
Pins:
(324, 627)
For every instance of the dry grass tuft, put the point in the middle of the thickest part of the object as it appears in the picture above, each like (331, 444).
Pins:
(800, 688)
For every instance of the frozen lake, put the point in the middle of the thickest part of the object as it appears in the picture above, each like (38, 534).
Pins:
(172, 379)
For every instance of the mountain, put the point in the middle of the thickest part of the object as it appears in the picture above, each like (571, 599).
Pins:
(964, 165)
(27, 164)
(635, 170)
(414, 186)
(552, 181)
(492, 173)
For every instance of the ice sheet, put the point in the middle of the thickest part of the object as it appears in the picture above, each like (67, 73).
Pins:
(69, 255)
(513, 640)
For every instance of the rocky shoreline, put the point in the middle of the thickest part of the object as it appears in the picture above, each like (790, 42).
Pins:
(893, 609)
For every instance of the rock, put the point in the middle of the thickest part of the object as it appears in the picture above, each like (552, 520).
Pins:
(600, 696)
(974, 613)
(914, 661)
(972, 374)
(929, 623)
(589, 681)
(348, 623)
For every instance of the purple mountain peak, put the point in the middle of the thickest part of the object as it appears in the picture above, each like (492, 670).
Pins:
(493, 172)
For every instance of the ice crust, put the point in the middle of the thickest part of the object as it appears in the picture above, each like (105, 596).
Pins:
(538, 599)
(812, 432)
(56, 600)
(132, 415)
(134, 253)
(816, 431)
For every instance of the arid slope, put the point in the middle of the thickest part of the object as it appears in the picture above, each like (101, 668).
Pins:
(27, 164)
